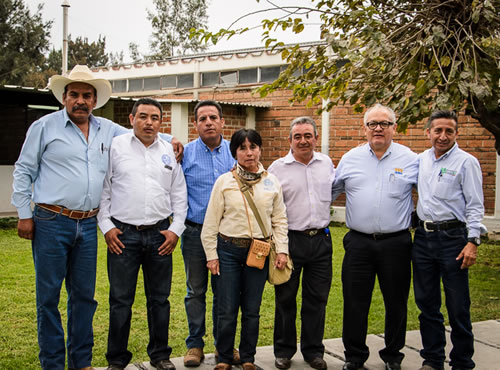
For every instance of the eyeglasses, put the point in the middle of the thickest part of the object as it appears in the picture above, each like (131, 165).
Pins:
(372, 125)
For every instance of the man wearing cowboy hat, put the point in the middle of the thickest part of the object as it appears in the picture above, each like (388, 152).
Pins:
(61, 169)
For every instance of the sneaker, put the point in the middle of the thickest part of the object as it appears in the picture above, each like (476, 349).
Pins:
(193, 357)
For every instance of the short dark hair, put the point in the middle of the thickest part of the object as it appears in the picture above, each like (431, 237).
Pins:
(147, 101)
(450, 114)
(205, 103)
(303, 121)
(240, 136)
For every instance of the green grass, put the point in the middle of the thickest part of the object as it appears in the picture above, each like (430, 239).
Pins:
(18, 337)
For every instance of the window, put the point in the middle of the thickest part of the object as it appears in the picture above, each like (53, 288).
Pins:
(229, 78)
(152, 83)
(185, 80)
(119, 85)
(168, 82)
(269, 74)
(209, 78)
(135, 84)
(248, 76)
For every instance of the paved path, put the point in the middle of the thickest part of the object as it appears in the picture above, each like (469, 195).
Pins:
(487, 352)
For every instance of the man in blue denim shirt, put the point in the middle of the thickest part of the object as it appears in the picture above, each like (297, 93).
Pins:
(450, 210)
(205, 159)
(61, 169)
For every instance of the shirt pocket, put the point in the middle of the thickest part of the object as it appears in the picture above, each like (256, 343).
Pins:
(446, 188)
(398, 186)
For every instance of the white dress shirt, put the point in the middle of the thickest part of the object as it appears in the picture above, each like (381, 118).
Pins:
(306, 190)
(450, 187)
(143, 185)
(378, 191)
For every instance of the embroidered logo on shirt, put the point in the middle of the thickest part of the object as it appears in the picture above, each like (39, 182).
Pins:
(447, 171)
(165, 158)
(398, 171)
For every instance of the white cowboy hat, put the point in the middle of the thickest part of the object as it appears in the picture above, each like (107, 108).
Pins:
(81, 73)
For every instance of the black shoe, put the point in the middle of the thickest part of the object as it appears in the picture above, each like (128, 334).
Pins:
(352, 366)
(392, 366)
(318, 363)
(163, 365)
(115, 367)
(282, 363)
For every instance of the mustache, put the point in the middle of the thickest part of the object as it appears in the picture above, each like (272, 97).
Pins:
(80, 107)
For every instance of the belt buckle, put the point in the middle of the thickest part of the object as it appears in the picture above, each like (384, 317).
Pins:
(75, 217)
(425, 227)
(313, 232)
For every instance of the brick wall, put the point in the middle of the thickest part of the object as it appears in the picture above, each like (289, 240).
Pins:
(346, 131)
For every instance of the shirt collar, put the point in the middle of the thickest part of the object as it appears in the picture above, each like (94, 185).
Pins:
(92, 119)
(387, 152)
(445, 155)
(206, 147)
(133, 137)
(289, 158)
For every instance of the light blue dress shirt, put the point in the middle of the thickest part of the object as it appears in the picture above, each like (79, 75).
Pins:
(378, 192)
(57, 165)
(450, 187)
(201, 168)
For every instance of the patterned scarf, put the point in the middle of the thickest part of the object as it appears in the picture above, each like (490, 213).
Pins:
(249, 178)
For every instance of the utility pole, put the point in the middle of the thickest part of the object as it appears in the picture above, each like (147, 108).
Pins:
(65, 5)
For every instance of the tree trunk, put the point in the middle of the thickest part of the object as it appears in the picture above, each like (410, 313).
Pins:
(489, 119)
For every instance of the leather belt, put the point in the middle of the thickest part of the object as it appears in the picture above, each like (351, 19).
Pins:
(240, 242)
(76, 215)
(138, 227)
(310, 232)
(430, 226)
(380, 236)
(193, 224)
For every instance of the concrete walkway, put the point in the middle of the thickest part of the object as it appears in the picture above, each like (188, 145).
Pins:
(486, 356)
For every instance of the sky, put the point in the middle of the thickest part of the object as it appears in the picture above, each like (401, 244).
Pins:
(125, 21)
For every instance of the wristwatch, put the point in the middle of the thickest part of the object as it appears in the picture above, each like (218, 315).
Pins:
(475, 241)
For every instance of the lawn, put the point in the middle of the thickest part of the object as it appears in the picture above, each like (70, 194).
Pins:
(18, 343)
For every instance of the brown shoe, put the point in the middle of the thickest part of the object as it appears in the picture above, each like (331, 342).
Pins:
(193, 357)
(236, 357)
(222, 366)
(248, 366)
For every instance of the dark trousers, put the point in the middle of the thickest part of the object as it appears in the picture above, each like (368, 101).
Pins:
(388, 260)
(238, 286)
(312, 256)
(434, 258)
(141, 248)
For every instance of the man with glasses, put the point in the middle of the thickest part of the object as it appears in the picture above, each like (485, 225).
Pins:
(377, 178)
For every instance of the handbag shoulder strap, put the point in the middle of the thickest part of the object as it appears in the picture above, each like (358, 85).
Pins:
(245, 190)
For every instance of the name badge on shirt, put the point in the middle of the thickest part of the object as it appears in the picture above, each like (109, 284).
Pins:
(167, 161)
(268, 185)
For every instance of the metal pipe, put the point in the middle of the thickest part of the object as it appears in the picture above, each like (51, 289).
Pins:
(65, 5)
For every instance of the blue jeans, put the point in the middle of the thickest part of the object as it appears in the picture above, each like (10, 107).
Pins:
(141, 248)
(434, 258)
(64, 249)
(195, 265)
(238, 286)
